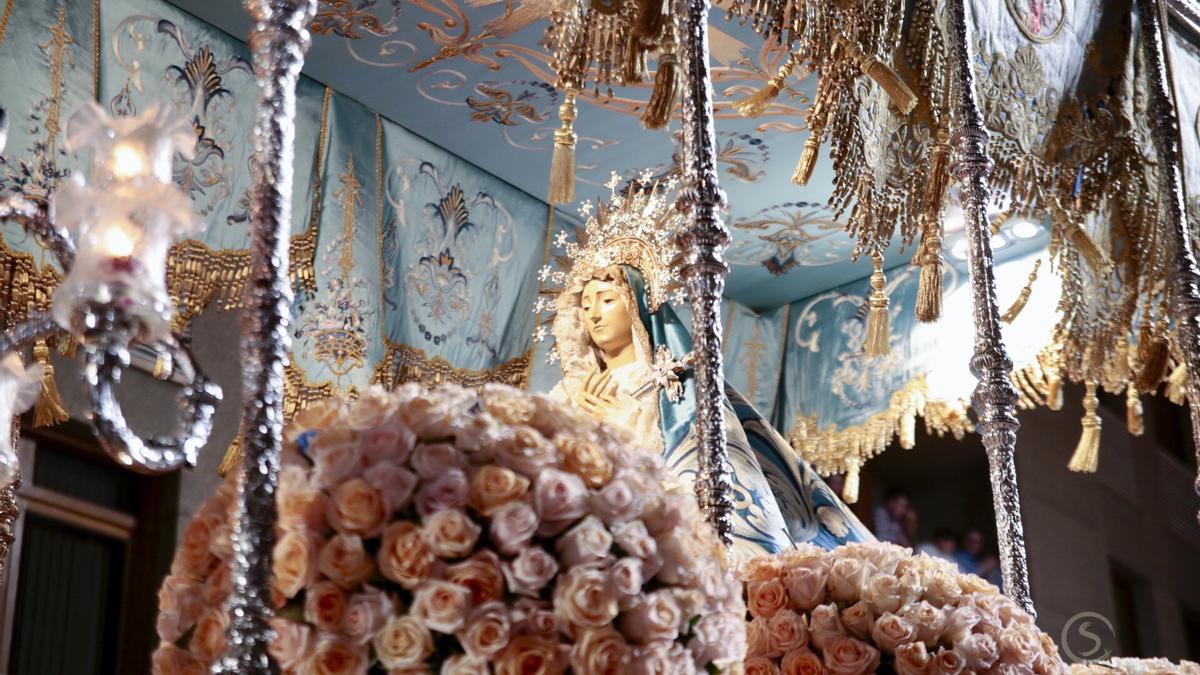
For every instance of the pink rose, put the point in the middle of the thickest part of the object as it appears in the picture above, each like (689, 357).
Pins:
(531, 655)
(584, 458)
(846, 656)
(1018, 644)
(892, 631)
(663, 658)
(805, 585)
(530, 571)
(324, 606)
(980, 651)
(461, 664)
(194, 557)
(786, 632)
(558, 496)
(761, 665)
(758, 638)
(959, 624)
(487, 631)
(171, 660)
(441, 605)
(801, 662)
(764, 598)
(884, 593)
(337, 455)
(680, 551)
(403, 642)
(302, 510)
(208, 636)
(356, 508)
(847, 578)
(294, 562)
(431, 460)
(582, 598)
(948, 662)
(372, 408)
(365, 614)
(586, 542)
(403, 556)
(494, 486)
(392, 442)
(447, 491)
(913, 659)
(533, 617)
(338, 656)
(824, 624)
(394, 483)
(293, 643)
(634, 539)
(344, 561)
(858, 620)
(450, 533)
(480, 574)
(508, 404)
(218, 586)
(719, 639)
(179, 606)
(601, 651)
(655, 617)
(928, 621)
(625, 579)
(526, 451)
(617, 502)
(512, 526)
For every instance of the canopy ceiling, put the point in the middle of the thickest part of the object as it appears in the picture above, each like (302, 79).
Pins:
(470, 76)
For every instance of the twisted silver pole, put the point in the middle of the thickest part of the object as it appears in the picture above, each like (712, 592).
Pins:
(278, 43)
(704, 269)
(994, 398)
(1185, 277)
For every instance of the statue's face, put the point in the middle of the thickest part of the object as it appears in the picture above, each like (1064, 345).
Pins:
(606, 316)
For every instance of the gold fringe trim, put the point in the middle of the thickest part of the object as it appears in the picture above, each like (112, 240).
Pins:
(402, 363)
(1019, 304)
(889, 80)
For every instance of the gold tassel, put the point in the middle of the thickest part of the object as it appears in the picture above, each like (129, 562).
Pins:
(666, 89)
(1095, 258)
(233, 455)
(562, 164)
(49, 409)
(163, 366)
(808, 159)
(1054, 391)
(66, 345)
(1154, 352)
(878, 338)
(1019, 303)
(756, 104)
(1087, 453)
(816, 126)
(1133, 411)
(850, 487)
(939, 176)
(882, 74)
(929, 287)
(651, 18)
(1176, 389)
(635, 61)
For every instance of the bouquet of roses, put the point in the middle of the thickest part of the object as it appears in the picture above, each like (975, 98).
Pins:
(460, 532)
(863, 608)
(1132, 666)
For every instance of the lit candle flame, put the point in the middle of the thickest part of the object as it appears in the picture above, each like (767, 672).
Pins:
(128, 161)
(117, 240)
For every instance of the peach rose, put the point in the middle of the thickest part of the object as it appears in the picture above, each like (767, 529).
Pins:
(625, 578)
(824, 624)
(801, 662)
(526, 451)
(507, 404)
(559, 496)
(1019, 644)
(884, 593)
(294, 562)
(447, 491)
(582, 598)
(403, 556)
(403, 642)
(786, 632)
(847, 578)
(1009, 612)
(601, 651)
(719, 639)
(941, 589)
(761, 665)
(858, 620)
(396, 484)
(927, 619)
(208, 637)
(392, 442)
(480, 574)
(338, 656)
(980, 651)
(322, 414)
(512, 526)
(758, 638)
(365, 614)
(450, 533)
(892, 631)
(530, 571)
(441, 605)
(179, 606)
(218, 585)
(587, 542)
(372, 408)
(959, 624)
(221, 544)
(494, 486)
(337, 455)
(663, 658)
(846, 656)
(431, 460)
(487, 631)
(461, 664)
(655, 617)
(764, 598)
(550, 415)
(293, 643)
(618, 501)
(805, 585)
(194, 557)
(913, 659)
(303, 510)
(948, 662)
(974, 584)
(530, 655)
(584, 459)
(356, 508)
(344, 561)
(324, 606)
(681, 551)
(533, 617)
(171, 660)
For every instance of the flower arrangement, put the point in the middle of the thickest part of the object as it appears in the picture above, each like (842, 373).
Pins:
(862, 608)
(449, 531)
(1131, 666)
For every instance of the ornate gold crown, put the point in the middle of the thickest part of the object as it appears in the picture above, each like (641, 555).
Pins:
(635, 227)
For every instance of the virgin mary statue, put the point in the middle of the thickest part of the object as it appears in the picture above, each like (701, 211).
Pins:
(625, 358)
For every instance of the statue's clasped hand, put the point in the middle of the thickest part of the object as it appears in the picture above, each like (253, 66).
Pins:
(598, 397)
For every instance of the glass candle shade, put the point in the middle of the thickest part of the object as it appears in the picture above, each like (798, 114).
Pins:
(124, 218)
